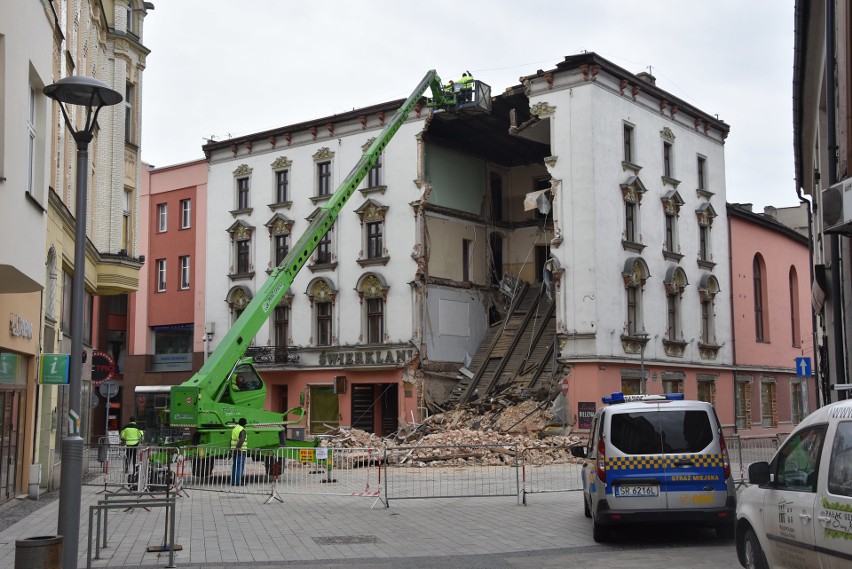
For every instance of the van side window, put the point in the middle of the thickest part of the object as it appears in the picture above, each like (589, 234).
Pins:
(840, 468)
(797, 464)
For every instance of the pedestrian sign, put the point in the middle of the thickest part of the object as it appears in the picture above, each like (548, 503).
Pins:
(54, 369)
(803, 367)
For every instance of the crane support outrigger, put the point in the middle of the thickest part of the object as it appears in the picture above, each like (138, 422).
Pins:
(228, 387)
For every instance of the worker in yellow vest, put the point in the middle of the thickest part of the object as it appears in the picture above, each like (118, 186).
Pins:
(466, 87)
(239, 444)
(131, 437)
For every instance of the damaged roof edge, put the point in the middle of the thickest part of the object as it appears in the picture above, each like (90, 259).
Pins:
(572, 62)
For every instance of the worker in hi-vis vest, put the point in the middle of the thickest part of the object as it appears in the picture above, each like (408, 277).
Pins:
(466, 87)
(131, 437)
(239, 444)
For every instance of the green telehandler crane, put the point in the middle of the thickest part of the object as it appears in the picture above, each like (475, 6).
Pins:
(228, 387)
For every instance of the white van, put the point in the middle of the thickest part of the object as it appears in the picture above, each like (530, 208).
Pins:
(656, 459)
(797, 511)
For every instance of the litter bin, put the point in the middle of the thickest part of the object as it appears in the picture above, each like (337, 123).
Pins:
(42, 552)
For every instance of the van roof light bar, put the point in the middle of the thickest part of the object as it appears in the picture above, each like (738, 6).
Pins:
(619, 397)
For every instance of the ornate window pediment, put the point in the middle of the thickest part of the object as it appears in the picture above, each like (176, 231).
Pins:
(324, 153)
(242, 171)
(371, 210)
(240, 230)
(279, 224)
(633, 189)
(667, 134)
(675, 281)
(708, 287)
(705, 214)
(321, 289)
(366, 145)
(372, 285)
(672, 202)
(281, 163)
(238, 297)
(635, 272)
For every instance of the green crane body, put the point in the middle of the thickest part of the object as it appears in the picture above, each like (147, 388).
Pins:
(212, 400)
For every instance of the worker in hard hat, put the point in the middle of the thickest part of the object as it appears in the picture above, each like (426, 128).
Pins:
(466, 87)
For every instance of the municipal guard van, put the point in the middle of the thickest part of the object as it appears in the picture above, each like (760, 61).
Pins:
(797, 510)
(656, 459)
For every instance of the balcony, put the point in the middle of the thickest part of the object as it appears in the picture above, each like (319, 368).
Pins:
(275, 355)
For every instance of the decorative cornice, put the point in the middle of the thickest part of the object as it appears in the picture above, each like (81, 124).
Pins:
(242, 170)
(281, 162)
(674, 348)
(323, 153)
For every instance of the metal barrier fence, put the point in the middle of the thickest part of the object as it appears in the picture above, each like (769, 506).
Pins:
(410, 472)
(413, 472)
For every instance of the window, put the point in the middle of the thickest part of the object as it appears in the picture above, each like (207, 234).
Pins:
(375, 320)
(673, 317)
(667, 159)
(759, 298)
(628, 143)
(797, 402)
(467, 253)
(282, 186)
(323, 315)
(324, 410)
(324, 249)
(707, 390)
(172, 347)
(243, 256)
(374, 240)
(796, 465)
(163, 217)
(702, 162)
(671, 232)
(707, 322)
(129, 116)
(703, 242)
(374, 177)
(242, 193)
(840, 467)
(633, 294)
(672, 386)
(184, 272)
(185, 214)
(125, 221)
(161, 275)
(131, 27)
(743, 404)
(281, 324)
(282, 247)
(768, 403)
(324, 179)
(31, 143)
(795, 331)
(631, 386)
(630, 232)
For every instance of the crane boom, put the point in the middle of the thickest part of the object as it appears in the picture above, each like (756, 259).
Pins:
(205, 400)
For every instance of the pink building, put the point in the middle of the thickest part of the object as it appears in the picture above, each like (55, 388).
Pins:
(772, 322)
(166, 315)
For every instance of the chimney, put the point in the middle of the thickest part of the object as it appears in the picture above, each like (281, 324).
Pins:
(647, 77)
(770, 211)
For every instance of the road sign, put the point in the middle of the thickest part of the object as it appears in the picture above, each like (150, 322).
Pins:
(54, 369)
(803, 367)
(108, 388)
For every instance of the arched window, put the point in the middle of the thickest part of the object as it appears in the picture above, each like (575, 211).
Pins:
(322, 294)
(795, 328)
(635, 273)
(373, 291)
(760, 317)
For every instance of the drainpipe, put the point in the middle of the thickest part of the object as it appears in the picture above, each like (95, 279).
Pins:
(820, 393)
(834, 239)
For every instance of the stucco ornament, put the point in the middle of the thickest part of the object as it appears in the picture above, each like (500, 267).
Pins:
(242, 170)
(677, 283)
(371, 287)
(281, 162)
(239, 299)
(667, 134)
(542, 109)
(321, 292)
(280, 226)
(367, 144)
(241, 232)
(323, 153)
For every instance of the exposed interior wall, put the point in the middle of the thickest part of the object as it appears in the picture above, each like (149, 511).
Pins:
(455, 323)
(458, 180)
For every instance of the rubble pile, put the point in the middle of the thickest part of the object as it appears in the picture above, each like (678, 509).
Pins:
(459, 437)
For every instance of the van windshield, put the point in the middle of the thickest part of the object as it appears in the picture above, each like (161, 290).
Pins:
(655, 432)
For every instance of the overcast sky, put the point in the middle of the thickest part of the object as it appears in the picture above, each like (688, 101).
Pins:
(224, 68)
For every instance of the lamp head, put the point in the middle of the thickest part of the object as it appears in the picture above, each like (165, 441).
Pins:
(83, 91)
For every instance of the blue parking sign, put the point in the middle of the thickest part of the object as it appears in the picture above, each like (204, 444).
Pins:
(803, 367)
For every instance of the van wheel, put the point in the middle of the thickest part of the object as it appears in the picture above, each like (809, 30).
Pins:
(601, 533)
(725, 531)
(586, 510)
(752, 552)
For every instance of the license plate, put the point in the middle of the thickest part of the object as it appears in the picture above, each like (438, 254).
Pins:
(635, 491)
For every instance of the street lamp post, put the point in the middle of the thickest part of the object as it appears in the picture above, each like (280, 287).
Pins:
(93, 95)
(643, 339)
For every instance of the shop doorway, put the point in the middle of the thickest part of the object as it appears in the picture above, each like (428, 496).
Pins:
(10, 416)
(375, 408)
